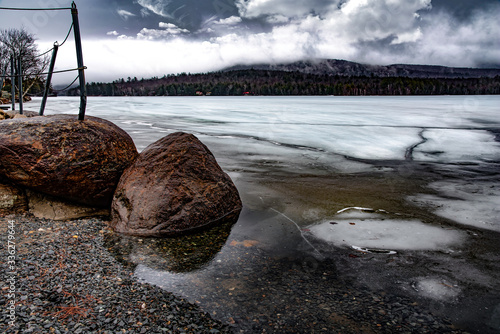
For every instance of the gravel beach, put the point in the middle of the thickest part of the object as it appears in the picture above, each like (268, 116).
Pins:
(66, 281)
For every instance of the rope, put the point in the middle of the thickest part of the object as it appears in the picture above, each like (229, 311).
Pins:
(41, 54)
(70, 28)
(68, 86)
(65, 39)
(9, 8)
(45, 73)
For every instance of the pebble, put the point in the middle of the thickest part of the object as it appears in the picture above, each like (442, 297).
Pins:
(73, 288)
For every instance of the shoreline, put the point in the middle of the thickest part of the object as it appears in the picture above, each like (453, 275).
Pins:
(67, 282)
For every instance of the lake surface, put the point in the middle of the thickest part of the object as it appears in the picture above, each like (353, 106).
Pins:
(399, 195)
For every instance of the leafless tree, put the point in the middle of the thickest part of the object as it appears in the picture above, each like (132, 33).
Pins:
(21, 44)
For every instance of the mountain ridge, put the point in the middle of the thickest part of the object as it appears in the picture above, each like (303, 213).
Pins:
(338, 67)
(318, 77)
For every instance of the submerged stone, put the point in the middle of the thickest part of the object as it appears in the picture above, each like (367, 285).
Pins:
(174, 186)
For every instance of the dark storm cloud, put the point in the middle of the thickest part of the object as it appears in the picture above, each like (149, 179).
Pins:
(463, 9)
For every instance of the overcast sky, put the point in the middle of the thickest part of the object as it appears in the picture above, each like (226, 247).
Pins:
(146, 38)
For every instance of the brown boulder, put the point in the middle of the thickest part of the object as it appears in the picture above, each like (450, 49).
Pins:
(26, 113)
(174, 186)
(79, 161)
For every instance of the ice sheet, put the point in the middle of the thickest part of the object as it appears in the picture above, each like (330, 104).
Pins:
(374, 231)
(457, 146)
(436, 288)
(363, 127)
(470, 203)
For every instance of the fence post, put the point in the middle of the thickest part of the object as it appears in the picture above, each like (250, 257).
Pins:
(79, 57)
(2, 81)
(49, 79)
(20, 86)
(13, 82)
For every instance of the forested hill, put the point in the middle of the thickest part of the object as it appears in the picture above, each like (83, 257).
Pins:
(292, 82)
(334, 67)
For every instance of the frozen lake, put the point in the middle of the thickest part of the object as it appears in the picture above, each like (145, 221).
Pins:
(393, 194)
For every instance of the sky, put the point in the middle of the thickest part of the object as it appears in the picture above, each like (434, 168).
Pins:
(146, 38)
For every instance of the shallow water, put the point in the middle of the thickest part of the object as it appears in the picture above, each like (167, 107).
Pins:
(392, 194)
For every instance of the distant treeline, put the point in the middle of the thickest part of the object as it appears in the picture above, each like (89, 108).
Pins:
(266, 82)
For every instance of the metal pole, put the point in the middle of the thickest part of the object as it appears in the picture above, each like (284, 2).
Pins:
(4, 72)
(49, 79)
(20, 87)
(13, 82)
(79, 57)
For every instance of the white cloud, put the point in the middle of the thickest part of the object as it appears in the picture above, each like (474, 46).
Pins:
(125, 14)
(409, 37)
(232, 20)
(467, 44)
(277, 19)
(157, 7)
(145, 12)
(112, 33)
(168, 30)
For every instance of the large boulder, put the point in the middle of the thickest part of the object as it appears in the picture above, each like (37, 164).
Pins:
(78, 161)
(174, 186)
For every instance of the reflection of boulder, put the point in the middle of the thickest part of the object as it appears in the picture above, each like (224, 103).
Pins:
(179, 254)
(174, 186)
(78, 161)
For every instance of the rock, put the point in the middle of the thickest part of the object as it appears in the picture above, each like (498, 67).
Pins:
(12, 199)
(174, 186)
(79, 161)
(26, 113)
(48, 207)
(4, 115)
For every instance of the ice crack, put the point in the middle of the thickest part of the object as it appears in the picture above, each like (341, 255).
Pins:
(409, 150)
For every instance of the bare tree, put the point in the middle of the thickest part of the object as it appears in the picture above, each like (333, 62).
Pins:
(20, 44)
(4, 63)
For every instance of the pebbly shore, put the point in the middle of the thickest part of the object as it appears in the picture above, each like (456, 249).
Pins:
(67, 282)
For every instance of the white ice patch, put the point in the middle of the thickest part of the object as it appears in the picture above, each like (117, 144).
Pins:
(475, 204)
(453, 145)
(436, 288)
(371, 231)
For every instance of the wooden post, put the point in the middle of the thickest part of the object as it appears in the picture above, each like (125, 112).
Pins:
(49, 79)
(79, 56)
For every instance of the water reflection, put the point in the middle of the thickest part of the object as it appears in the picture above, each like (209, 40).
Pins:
(179, 254)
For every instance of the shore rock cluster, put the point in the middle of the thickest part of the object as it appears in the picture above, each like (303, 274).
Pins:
(61, 168)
